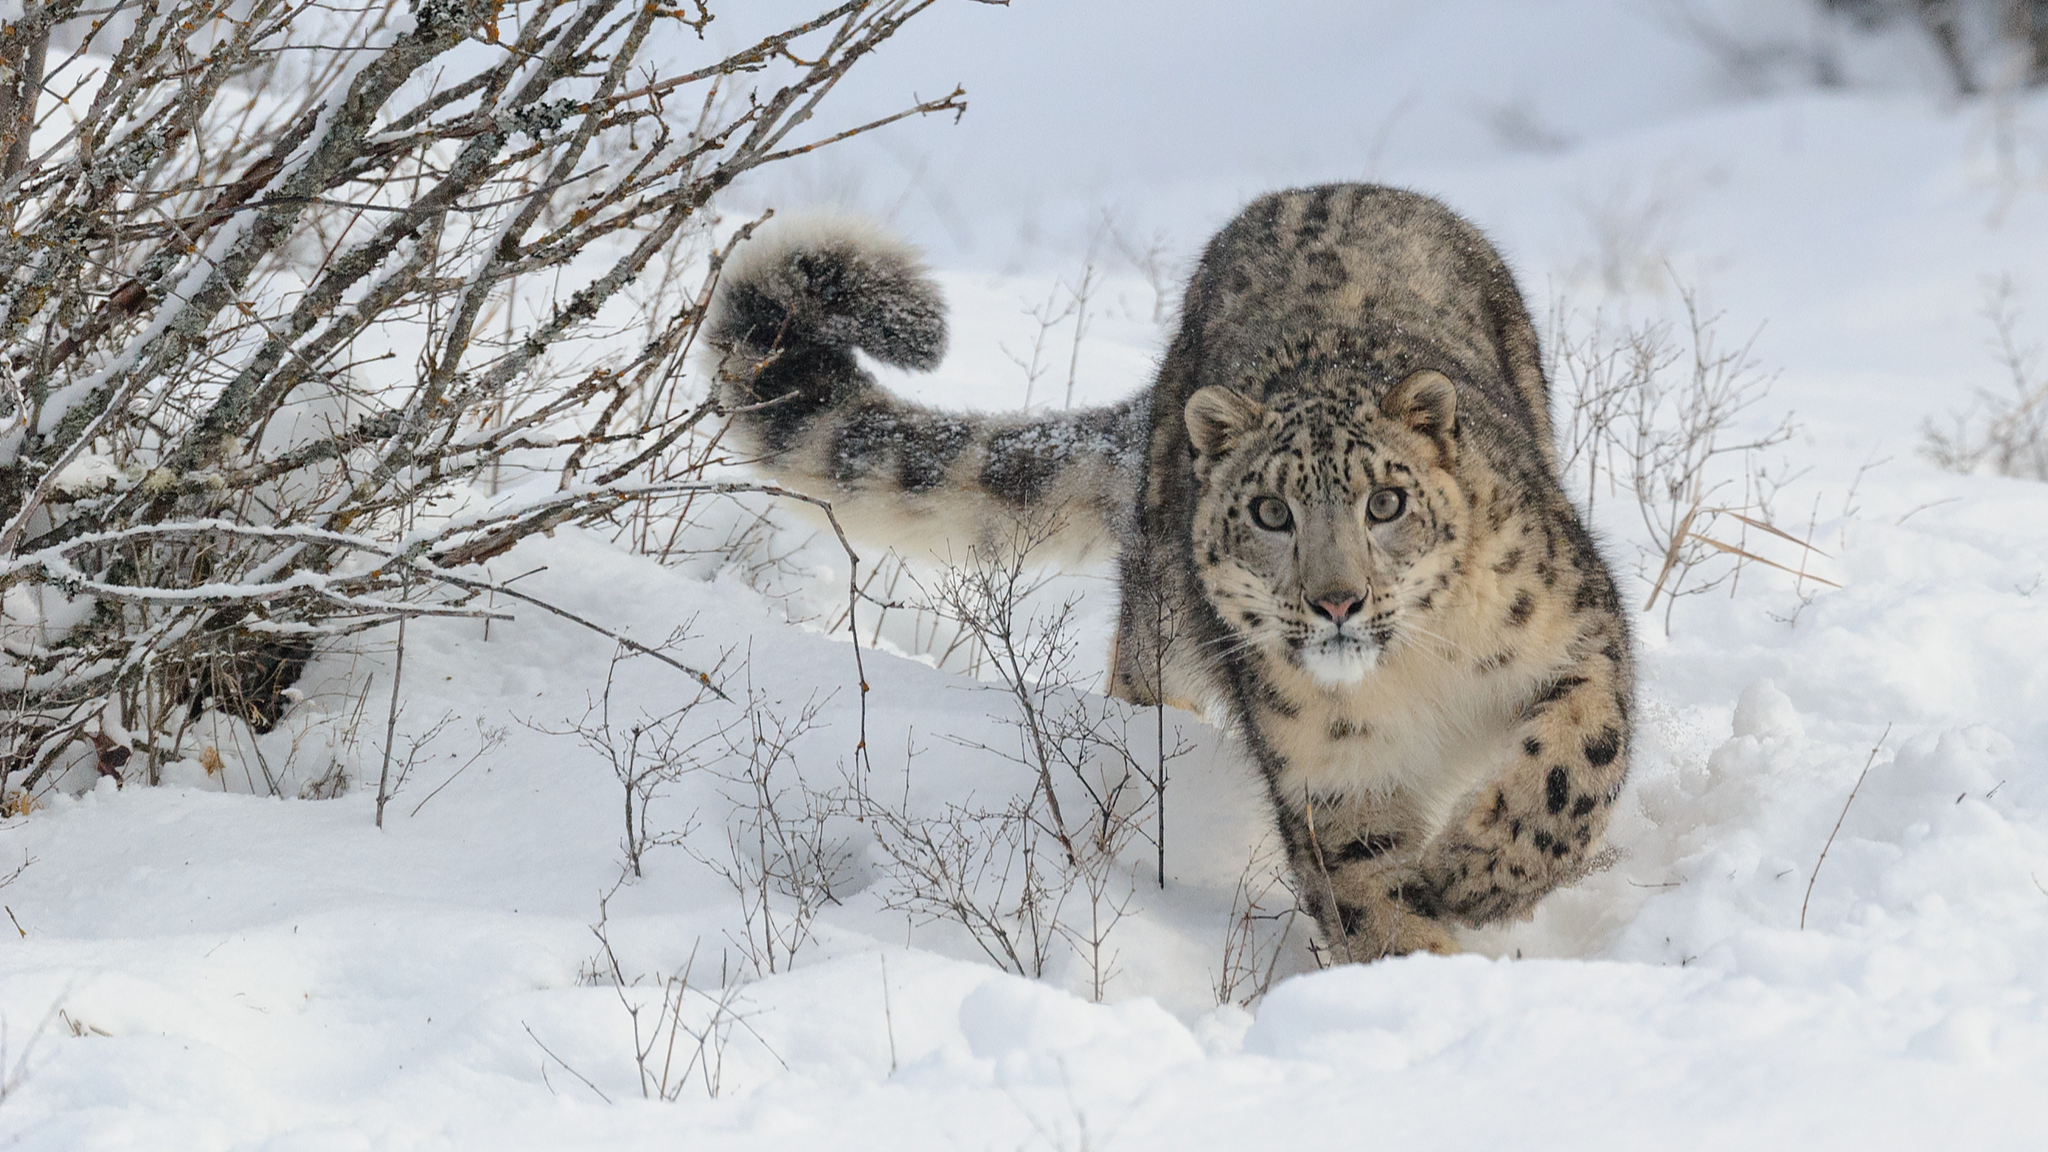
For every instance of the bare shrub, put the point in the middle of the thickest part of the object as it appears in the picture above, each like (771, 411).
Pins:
(686, 1034)
(1152, 259)
(679, 1038)
(1048, 316)
(1653, 416)
(1064, 301)
(1979, 45)
(781, 855)
(417, 744)
(2006, 431)
(1263, 911)
(309, 309)
(647, 753)
(1044, 869)
(488, 740)
(1982, 43)
(905, 613)
(980, 868)
(1759, 59)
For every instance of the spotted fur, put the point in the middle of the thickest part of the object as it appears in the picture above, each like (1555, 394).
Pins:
(1338, 521)
(792, 310)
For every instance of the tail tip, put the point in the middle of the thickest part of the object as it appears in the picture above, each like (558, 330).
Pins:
(836, 280)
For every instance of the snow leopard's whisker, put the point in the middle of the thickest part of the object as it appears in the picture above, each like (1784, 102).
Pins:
(1231, 643)
(1444, 655)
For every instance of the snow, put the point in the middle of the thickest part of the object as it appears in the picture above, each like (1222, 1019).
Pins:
(1827, 927)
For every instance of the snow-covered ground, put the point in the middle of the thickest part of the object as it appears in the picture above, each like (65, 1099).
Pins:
(199, 966)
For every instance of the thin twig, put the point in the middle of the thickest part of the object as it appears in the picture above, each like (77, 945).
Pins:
(565, 1064)
(1872, 759)
(888, 1016)
(390, 727)
(696, 674)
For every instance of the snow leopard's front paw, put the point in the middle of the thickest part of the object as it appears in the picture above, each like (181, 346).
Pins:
(1386, 928)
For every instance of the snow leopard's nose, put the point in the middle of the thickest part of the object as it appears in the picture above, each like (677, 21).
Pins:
(1337, 606)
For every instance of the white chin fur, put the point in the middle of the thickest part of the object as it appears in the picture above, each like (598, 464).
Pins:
(1339, 665)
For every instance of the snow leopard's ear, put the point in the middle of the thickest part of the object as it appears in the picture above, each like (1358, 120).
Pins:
(1218, 419)
(1427, 402)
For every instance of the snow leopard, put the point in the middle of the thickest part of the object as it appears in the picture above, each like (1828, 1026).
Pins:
(1337, 519)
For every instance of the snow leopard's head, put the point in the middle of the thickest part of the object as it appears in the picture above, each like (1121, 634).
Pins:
(1326, 524)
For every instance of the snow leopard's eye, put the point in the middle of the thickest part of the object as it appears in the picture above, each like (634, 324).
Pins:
(1386, 504)
(1272, 514)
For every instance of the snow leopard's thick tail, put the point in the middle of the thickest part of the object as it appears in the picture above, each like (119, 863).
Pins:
(791, 310)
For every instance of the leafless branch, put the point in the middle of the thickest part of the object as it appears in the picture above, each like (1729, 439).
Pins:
(205, 435)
